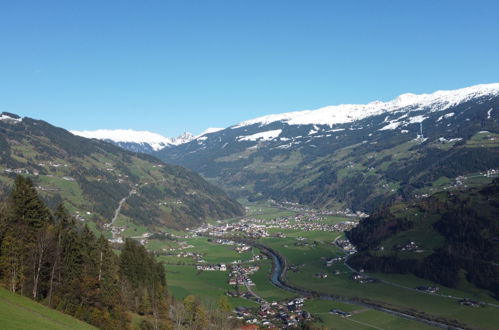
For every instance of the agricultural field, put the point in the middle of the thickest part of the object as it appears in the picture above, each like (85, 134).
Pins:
(361, 318)
(309, 260)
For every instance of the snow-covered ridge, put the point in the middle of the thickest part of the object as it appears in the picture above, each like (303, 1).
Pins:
(346, 113)
(210, 130)
(262, 136)
(156, 141)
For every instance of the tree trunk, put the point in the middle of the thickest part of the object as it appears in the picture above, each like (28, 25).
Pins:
(56, 263)
(100, 266)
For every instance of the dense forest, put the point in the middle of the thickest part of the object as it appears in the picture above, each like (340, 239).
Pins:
(461, 231)
(47, 256)
(54, 260)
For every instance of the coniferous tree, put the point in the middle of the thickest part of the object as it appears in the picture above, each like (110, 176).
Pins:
(59, 262)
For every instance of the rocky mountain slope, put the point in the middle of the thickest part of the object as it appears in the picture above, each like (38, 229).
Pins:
(94, 178)
(355, 156)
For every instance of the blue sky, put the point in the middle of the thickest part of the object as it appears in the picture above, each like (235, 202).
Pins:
(170, 66)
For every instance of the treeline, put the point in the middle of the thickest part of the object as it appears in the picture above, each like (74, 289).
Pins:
(49, 257)
(468, 222)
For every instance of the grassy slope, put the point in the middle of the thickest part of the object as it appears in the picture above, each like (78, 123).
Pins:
(18, 312)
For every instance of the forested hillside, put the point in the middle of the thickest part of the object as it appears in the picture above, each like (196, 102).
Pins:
(94, 176)
(444, 238)
(51, 259)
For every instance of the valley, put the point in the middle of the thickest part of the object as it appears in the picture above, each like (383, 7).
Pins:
(374, 216)
(306, 251)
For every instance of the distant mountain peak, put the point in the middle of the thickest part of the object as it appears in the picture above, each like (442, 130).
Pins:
(120, 136)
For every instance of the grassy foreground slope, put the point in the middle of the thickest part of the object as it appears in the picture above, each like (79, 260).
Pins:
(18, 312)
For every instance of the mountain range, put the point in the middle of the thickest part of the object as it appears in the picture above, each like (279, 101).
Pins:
(101, 183)
(140, 141)
(355, 156)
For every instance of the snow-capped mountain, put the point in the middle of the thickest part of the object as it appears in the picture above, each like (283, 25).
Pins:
(347, 113)
(355, 155)
(137, 141)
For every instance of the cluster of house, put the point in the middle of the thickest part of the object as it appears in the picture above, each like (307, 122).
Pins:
(193, 255)
(240, 248)
(362, 278)
(301, 208)
(411, 246)
(116, 231)
(470, 303)
(19, 171)
(428, 289)
(239, 274)
(346, 246)
(78, 215)
(182, 246)
(175, 202)
(258, 228)
(52, 164)
(340, 313)
(215, 267)
(224, 241)
(334, 260)
(221, 230)
(492, 173)
(304, 222)
(281, 315)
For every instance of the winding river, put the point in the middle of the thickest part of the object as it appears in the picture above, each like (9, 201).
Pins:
(278, 273)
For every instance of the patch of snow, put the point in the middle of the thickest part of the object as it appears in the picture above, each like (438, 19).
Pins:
(312, 132)
(284, 146)
(416, 119)
(404, 131)
(263, 136)
(448, 115)
(347, 113)
(390, 126)
(444, 140)
(209, 131)
(9, 119)
(202, 138)
(488, 113)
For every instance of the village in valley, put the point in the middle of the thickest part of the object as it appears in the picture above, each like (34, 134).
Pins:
(244, 273)
(225, 258)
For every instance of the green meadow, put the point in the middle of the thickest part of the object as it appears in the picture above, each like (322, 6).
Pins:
(311, 260)
(361, 318)
(18, 312)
